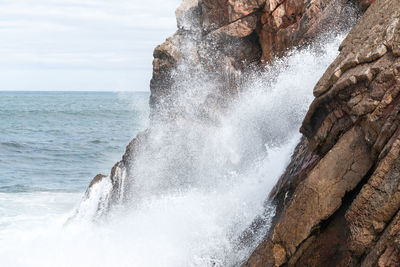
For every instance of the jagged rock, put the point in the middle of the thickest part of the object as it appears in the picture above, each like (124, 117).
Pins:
(215, 38)
(316, 198)
(288, 23)
(386, 252)
(376, 203)
(167, 56)
(219, 13)
(237, 34)
(119, 173)
(342, 210)
(239, 28)
(97, 179)
(188, 15)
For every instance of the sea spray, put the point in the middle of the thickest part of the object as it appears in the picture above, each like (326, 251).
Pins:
(196, 186)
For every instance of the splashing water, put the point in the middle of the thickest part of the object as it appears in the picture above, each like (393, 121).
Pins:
(197, 187)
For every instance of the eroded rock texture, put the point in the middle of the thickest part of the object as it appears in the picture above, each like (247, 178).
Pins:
(340, 205)
(225, 38)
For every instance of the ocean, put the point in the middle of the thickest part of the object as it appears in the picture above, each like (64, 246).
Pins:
(53, 143)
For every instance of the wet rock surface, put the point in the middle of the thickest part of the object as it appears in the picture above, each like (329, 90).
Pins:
(344, 210)
(230, 37)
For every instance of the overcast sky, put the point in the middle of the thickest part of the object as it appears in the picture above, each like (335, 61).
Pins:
(81, 44)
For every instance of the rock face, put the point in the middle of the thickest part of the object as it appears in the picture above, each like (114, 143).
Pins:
(229, 37)
(343, 202)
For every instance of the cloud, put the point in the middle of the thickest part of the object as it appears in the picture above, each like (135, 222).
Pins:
(62, 37)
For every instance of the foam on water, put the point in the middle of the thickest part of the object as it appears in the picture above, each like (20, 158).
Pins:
(197, 187)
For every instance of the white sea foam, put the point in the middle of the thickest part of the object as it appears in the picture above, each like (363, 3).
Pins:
(196, 188)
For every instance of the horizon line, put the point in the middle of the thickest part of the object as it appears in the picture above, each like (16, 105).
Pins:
(83, 91)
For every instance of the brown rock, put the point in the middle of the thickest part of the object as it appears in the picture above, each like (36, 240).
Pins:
(288, 23)
(343, 210)
(219, 13)
(221, 29)
(241, 8)
(377, 202)
(240, 28)
(320, 194)
(386, 252)
(188, 15)
(215, 14)
(96, 179)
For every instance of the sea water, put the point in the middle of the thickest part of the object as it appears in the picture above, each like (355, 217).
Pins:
(53, 143)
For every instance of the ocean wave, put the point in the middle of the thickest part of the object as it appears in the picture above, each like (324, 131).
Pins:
(20, 188)
(13, 144)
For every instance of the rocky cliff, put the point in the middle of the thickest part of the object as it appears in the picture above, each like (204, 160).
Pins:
(226, 38)
(338, 201)
(221, 41)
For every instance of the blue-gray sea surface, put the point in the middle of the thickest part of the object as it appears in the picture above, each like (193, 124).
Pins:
(57, 141)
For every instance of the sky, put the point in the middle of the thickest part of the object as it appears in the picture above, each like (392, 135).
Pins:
(89, 45)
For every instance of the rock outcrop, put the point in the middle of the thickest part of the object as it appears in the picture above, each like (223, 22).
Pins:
(220, 41)
(229, 37)
(340, 198)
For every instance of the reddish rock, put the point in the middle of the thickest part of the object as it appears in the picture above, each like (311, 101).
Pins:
(288, 23)
(240, 34)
